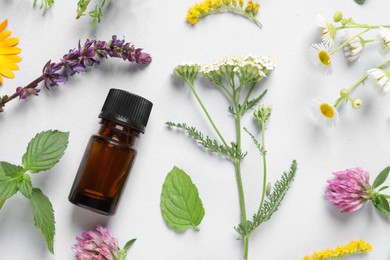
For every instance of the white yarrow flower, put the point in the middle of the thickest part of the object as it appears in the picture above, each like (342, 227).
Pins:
(384, 42)
(382, 78)
(354, 48)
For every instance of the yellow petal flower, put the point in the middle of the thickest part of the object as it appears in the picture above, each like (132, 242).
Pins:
(3, 24)
(9, 42)
(8, 53)
(6, 72)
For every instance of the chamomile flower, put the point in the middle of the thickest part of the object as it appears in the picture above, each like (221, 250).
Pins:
(354, 48)
(327, 30)
(321, 57)
(384, 42)
(382, 78)
(325, 113)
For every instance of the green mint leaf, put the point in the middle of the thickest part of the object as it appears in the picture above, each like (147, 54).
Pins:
(7, 169)
(360, 2)
(381, 178)
(45, 150)
(43, 216)
(8, 187)
(381, 204)
(181, 205)
(129, 244)
(25, 186)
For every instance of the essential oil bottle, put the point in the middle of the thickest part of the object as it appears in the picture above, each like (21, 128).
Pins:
(110, 153)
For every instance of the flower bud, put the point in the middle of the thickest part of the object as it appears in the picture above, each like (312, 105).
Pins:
(268, 189)
(344, 93)
(357, 103)
(338, 16)
(262, 114)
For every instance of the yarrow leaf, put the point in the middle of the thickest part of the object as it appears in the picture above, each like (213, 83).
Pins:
(251, 103)
(272, 203)
(181, 205)
(206, 142)
(43, 216)
(381, 178)
(45, 150)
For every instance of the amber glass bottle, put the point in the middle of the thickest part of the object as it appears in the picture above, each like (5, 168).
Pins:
(110, 153)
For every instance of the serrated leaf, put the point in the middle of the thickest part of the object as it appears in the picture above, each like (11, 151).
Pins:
(8, 187)
(208, 143)
(181, 205)
(43, 216)
(251, 103)
(45, 150)
(272, 203)
(381, 178)
(129, 244)
(381, 204)
(7, 169)
(25, 186)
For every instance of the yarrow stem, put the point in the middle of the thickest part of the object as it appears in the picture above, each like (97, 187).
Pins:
(77, 61)
(264, 155)
(208, 115)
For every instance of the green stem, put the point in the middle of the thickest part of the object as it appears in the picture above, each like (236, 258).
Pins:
(361, 26)
(237, 10)
(264, 155)
(360, 80)
(246, 247)
(247, 96)
(347, 41)
(237, 165)
(208, 116)
(2, 203)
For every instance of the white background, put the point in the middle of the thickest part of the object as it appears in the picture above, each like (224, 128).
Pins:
(305, 222)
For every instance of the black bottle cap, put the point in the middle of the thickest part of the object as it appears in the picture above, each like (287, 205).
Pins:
(127, 108)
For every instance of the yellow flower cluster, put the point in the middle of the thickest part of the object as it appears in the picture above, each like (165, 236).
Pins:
(213, 6)
(252, 7)
(353, 247)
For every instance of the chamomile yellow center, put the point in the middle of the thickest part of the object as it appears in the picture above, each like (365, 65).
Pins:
(324, 57)
(327, 110)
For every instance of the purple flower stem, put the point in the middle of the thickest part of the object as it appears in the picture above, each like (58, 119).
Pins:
(77, 61)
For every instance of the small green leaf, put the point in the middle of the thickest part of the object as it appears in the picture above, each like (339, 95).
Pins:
(25, 186)
(181, 205)
(381, 204)
(43, 216)
(8, 187)
(7, 169)
(129, 244)
(381, 178)
(45, 150)
(360, 2)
